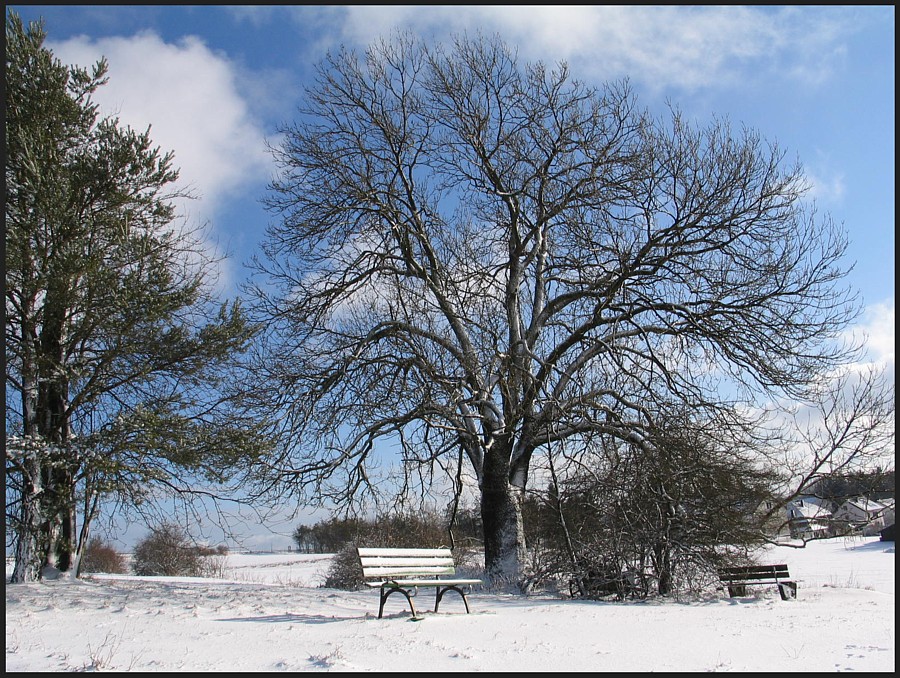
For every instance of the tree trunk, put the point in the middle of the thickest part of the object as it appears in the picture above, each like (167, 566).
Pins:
(28, 555)
(501, 516)
(53, 418)
(61, 521)
(664, 569)
(504, 534)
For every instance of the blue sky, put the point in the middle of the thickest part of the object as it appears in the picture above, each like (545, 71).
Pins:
(216, 82)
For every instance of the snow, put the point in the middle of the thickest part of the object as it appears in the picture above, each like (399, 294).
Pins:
(271, 613)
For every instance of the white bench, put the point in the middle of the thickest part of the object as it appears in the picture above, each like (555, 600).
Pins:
(407, 570)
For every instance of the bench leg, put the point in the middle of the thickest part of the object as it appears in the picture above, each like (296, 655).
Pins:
(442, 590)
(787, 589)
(737, 591)
(388, 590)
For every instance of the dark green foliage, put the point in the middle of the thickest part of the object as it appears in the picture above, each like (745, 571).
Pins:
(345, 572)
(424, 529)
(330, 536)
(118, 357)
(837, 488)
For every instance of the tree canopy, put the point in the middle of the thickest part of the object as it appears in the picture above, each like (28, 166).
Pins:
(478, 259)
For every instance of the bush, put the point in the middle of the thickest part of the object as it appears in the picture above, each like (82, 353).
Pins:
(167, 551)
(213, 565)
(345, 571)
(101, 557)
(653, 522)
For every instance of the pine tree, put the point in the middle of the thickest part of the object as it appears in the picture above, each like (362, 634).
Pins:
(115, 347)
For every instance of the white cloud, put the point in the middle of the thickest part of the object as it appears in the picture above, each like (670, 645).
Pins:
(189, 96)
(826, 186)
(659, 46)
(877, 329)
(255, 15)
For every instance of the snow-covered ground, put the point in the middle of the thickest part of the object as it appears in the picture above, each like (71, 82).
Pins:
(271, 613)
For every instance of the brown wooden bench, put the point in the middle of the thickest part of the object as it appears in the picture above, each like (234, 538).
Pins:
(405, 571)
(737, 579)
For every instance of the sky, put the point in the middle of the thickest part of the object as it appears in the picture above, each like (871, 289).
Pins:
(270, 613)
(217, 83)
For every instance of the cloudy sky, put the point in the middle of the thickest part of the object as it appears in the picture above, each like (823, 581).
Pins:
(216, 82)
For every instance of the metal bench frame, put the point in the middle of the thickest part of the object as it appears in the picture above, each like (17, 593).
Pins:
(736, 579)
(405, 571)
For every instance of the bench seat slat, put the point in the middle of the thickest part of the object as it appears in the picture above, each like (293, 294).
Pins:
(423, 583)
(407, 572)
(758, 570)
(754, 577)
(399, 553)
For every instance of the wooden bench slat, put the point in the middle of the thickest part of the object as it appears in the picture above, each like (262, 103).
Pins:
(369, 561)
(408, 572)
(399, 553)
(764, 569)
(750, 577)
(424, 583)
(400, 566)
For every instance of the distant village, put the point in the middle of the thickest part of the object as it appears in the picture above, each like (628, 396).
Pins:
(844, 505)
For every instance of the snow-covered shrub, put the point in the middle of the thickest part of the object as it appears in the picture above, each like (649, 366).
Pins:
(345, 571)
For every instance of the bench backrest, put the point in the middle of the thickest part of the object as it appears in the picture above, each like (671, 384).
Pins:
(385, 564)
(752, 572)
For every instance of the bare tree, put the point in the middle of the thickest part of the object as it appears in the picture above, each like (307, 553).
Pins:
(845, 427)
(476, 258)
(666, 510)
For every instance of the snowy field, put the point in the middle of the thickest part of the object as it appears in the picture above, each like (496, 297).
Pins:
(271, 613)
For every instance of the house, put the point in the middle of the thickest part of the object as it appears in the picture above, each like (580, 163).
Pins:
(865, 515)
(808, 518)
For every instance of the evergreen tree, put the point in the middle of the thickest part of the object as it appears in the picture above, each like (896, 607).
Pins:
(115, 347)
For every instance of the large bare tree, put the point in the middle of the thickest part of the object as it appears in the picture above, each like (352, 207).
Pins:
(477, 259)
